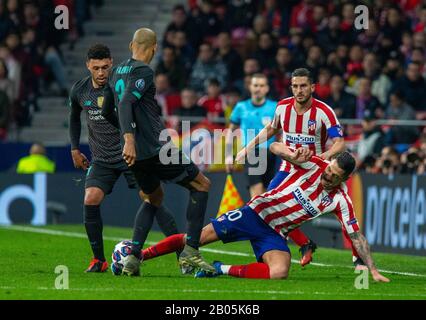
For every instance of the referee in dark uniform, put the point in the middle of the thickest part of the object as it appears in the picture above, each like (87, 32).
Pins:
(107, 165)
(133, 89)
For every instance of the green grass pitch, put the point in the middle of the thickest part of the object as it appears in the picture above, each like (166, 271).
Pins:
(30, 255)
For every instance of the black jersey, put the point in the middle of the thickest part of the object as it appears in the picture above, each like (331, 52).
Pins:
(132, 85)
(104, 138)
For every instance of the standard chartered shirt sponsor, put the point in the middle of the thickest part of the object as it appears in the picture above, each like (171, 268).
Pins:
(300, 138)
(95, 115)
(306, 204)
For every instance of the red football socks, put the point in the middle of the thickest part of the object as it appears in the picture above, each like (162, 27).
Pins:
(253, 271)
(298, 237)
(170, 244)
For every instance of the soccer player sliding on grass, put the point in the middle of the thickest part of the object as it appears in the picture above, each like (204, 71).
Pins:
(315, 187)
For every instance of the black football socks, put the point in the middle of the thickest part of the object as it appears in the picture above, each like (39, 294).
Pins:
(195, 217)
(143, 223)
(94, 227)
(166, 221)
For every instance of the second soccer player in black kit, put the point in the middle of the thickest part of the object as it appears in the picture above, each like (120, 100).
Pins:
(107, 165)
(132, 86)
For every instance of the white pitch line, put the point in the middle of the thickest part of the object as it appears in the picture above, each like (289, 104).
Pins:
(231, 253)
(277, 292)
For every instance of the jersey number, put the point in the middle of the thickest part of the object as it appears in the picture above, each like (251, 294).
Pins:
(119, 88)
(234, 215)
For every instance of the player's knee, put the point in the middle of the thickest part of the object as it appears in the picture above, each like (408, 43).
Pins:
(278, 272)
(93, 197)
(156, 198)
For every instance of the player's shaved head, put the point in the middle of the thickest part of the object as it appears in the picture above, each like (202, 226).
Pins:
(145, 38)
(143, 45)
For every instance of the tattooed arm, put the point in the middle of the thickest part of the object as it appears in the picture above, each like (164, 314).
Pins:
(363, 249)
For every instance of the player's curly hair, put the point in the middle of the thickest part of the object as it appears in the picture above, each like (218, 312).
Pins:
(346, 162)
(98, 51)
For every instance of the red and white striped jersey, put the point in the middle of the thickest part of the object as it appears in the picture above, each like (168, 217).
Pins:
(301, 197)
(310, 129)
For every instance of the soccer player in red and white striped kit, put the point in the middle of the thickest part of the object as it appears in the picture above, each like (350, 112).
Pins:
(314, 187)
(305, 122)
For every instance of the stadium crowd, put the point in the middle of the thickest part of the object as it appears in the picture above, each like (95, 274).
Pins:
(31, 61)
(212, 47)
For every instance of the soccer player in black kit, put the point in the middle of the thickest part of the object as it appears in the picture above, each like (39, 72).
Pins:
(107, 165)
(139, 115)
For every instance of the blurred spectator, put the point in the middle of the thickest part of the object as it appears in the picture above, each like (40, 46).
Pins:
(394, 27)
(232, 96)
(349, 34)
(342, 102)
(354, 66)
(229, 56)
(412, 85)
(213, 101)
(314, 61)
(36, 161)
(398, 109)
(420, 25)
(393, 67)
(13, 69)
(274, 14)
(165, 96)
(366, 101)
(412, 161)
(266, 50)
(260, 25)
(406, 46)
(302, 16)
(185, 53)
(6, 23)
(189, 108)
(251, 66)
(6, 85)
(169, 66)
(207, 67)
(182, 22)
(370, 38)
(280, 75)
(240, 14)
(322, 87)
(337, 61)
(206, 20)
(5, 111)
(14, 11)
(389, 161)
(380, 83)
(330, 36)
(372, 138)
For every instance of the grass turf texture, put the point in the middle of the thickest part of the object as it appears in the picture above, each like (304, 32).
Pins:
(28, 261)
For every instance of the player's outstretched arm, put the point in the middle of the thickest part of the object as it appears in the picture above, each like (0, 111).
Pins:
(297, 157)
(361, 245)
(265, 134)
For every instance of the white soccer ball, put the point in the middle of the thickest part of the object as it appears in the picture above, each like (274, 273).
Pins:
(120, 253)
